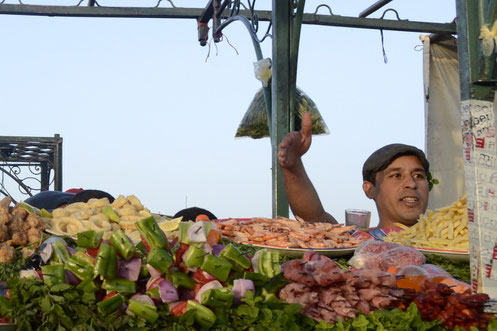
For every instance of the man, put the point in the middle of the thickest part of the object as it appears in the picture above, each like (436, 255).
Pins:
(395, 177)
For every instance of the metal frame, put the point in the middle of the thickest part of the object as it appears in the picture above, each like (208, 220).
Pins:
(286, 20)
(32, 163)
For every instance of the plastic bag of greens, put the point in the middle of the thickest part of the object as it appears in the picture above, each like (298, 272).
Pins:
(255, 125)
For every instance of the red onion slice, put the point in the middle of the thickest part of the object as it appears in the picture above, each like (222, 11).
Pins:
(196, 232)
(167, 291)
(71, 278)
(240, 288)
(217, 248)
(130, 269)
(152, 282)
(153, 272)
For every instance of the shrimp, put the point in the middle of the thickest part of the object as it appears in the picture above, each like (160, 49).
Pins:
(284, 232)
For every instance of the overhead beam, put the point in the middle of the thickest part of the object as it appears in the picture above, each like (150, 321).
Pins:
(377, 23)
(195, 13)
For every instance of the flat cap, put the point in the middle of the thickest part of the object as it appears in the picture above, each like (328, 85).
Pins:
(382, 158)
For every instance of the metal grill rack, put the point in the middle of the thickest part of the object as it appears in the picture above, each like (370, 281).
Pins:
(30, 164)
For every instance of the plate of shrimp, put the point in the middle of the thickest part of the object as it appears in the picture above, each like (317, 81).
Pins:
(291, 237)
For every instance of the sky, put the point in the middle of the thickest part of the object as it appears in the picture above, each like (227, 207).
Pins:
(143, 109)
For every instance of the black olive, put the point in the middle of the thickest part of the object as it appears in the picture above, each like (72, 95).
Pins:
(34, 262)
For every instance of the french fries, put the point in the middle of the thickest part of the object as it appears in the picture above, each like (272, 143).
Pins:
(447, 229)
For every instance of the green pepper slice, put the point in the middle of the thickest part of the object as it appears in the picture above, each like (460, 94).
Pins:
(232, 254)
(119, 285)
(106, 262)
(144, 310)
(180, 279)
(160, 259)
(152, 233)
(217, 297)
(194, 257)
(60, 250)
(203, 315)
(87, 285)
(54, 274)
(89, 239)
(217, 267)
(122, 243)
(183, 232)
(80, 270)
(108, 305)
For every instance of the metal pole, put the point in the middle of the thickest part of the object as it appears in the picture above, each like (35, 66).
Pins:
(58, 163)
(280, 97)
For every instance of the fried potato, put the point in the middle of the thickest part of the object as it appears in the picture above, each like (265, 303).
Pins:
(445, 228)
(82, 216)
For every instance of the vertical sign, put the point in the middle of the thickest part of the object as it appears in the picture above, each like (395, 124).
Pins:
(480, 170)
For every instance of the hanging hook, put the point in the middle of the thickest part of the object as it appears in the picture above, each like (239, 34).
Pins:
(391, 9)
(323, 5)
(170, 1)
(385, 59)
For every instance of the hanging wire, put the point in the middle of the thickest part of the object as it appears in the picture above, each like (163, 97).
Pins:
(209, 51)
(385, 59)
(234, 10)
(228, 41)
(323, 5)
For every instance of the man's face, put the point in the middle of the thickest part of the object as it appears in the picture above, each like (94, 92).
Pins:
(401, 191)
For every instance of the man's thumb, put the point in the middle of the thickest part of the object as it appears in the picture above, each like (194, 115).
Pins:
(306, 123)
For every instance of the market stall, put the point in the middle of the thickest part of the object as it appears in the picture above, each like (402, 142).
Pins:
(103, 265)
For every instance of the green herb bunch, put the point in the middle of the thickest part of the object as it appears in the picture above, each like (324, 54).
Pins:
(431, 181)
(11, 269)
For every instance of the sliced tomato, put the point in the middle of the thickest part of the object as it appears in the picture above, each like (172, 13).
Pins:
(200, 277)
(145, 243)
(4, 319)
(173, 242)
(40, 273)
(94, 251)
(109, 295)
(179, 309)
(179, 253)
(153, 283)
(213, 237)
(197, 287)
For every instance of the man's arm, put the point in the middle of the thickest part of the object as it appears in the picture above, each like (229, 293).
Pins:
(302, 196)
